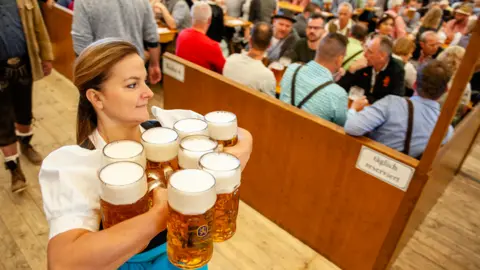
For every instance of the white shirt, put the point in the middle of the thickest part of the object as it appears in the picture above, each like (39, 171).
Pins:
(345, 31)
(410, 72)
(69, 183)
(250, 72)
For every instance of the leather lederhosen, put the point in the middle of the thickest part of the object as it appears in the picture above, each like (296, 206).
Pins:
(160, 238)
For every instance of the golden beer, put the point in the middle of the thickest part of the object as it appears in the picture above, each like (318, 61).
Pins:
(161, 146)
(194, 147)
(227, 172)
(124, 150)
(278, 70)
(190, 126)
(222, 127)
(124, 191)
(191, 200)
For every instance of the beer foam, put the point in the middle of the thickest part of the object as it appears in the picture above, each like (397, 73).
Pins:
(123, 183)
(124, 150)
(191, 192)
(190, 126)
(192, 148)
(160, 144)
(226, 170)
(222, 125)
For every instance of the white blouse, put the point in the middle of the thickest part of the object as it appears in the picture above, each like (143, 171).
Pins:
(69, 183)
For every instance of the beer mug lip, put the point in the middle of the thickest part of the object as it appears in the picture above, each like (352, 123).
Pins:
(141, 177)
(191, 170)
(202, 166)
(175, 125)
(159, 128)
(199, 137)
(122, 141)
(209, 115)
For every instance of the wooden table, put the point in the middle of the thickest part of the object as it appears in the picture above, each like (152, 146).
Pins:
(166, 35)
(290, 6)
(232, 22)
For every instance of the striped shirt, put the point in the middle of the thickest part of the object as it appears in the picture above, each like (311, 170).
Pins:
(330, 103)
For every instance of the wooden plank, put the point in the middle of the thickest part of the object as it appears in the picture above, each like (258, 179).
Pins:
(11, 257)
(23, 236)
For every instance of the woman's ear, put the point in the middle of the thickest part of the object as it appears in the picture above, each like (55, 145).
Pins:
(95, 97)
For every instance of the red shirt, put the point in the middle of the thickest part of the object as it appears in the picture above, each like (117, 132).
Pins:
(196, 47)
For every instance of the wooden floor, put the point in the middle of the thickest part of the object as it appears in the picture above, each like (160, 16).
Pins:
(448, 239)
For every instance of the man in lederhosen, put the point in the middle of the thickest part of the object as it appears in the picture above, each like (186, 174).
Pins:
(25, 56)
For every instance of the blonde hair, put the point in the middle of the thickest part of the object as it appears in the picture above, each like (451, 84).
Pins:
(92, 68)
(403, 46)
(452, 57)
(433, 18)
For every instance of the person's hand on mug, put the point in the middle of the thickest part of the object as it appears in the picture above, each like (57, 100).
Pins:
(243, 148)
(160, 205)
(359, 103)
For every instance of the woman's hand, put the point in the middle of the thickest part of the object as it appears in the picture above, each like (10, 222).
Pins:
(243, 148)
(160, 205)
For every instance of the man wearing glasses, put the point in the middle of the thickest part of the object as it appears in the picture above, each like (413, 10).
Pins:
(305, 48)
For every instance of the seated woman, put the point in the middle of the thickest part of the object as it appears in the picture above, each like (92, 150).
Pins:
(110, 76)
(403, 50)
(174, 13)
(386, 25)
(452, 57)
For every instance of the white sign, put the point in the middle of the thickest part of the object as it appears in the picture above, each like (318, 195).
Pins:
(174, 69)
(384, 168)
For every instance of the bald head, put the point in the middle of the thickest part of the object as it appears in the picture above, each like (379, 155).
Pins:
(261, 35)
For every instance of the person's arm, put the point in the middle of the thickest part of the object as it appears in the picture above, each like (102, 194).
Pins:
(106, 249)
(82, 33)
(169, 20)
(150, 37)
(218, 60)
(361, 123)
(43, 40)
(340, 107)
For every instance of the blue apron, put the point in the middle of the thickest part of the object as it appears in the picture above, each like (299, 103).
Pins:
(153, 259)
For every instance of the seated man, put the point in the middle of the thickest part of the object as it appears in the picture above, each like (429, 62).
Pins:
(305, 49)
(248, 68)
(302, 19)
(378, 74)
(355, 45)
(311, 87)
(387, 120)
(194, 45)
(344, 22)
(284, 36)
(459, 23)
(429, 47)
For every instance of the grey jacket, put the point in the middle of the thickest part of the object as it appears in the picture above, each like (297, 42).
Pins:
(283, 47)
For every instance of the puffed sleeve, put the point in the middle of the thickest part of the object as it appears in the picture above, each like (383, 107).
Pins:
(71, 189)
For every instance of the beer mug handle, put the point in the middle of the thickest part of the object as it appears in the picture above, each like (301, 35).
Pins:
(167, 172)
(219, 148)
(155, 184)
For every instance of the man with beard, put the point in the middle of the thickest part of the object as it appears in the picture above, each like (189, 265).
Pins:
(284, 36)
(459, 23)
(305, 48)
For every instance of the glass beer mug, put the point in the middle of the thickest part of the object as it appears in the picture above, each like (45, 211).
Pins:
(191, 200)
(190, 126)
(222, 127)
(161, 147)
(194, 147)
(227, 172)
(124, 192)
(124, 150)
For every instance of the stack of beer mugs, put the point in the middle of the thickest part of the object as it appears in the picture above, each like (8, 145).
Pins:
(202, 181)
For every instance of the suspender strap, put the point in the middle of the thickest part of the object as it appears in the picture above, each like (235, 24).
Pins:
(294, 82)
(351, 57)
(310, 95)
(408, 137)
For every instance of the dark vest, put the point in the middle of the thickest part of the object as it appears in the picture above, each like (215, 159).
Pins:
(160, 238)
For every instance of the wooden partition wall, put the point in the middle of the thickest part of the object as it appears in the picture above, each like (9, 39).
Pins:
(303, 171)
(58, 21)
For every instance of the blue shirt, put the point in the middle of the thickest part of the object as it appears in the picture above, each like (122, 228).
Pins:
(12, 38)
(330, 103)
(386, 121)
